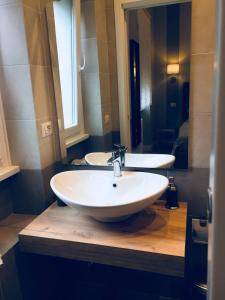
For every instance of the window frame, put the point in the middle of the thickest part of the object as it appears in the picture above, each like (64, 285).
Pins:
(75, 134)
(77, 45)
(6, 167)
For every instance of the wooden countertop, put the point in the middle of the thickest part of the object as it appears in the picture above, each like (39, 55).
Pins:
(153, 240)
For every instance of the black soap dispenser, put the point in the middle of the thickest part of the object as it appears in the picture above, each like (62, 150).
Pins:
(172, 195)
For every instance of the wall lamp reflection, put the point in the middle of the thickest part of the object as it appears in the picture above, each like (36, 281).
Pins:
(172, 69)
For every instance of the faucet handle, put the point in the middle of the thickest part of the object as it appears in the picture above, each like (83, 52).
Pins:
(120, 147)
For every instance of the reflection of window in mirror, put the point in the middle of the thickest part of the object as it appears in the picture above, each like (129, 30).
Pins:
(67, 30)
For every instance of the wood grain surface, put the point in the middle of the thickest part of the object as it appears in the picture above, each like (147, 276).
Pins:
(152, 240)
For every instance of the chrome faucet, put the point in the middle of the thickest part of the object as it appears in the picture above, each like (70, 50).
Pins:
(122, 150)
(117, 160)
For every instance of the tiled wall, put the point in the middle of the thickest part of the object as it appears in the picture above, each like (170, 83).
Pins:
(43, 95)
(99, 78)
(25, 77)
(16, 88)
(113, 80)
(202, 59)
(41, 76)
(13, 65)
(103, 58)
(91, 90)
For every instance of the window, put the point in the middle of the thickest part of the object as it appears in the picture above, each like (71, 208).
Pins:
(67, 28)
(6, 168)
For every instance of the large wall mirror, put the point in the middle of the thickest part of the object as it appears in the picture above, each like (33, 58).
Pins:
(82, 38)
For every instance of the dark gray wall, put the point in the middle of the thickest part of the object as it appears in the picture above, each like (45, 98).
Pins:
(159, 19)
(6, 207)
(171, 39)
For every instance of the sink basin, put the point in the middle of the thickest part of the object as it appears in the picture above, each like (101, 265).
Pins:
(107, 198)
(133, 160)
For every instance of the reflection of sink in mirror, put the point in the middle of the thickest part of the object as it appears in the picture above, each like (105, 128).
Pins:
(156, 95)
(107, 198)
(133, 160)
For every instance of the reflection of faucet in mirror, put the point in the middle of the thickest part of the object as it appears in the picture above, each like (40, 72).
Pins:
(118, 159)
(121, 150)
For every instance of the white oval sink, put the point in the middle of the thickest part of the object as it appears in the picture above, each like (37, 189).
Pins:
(133, 160)
(107, 198)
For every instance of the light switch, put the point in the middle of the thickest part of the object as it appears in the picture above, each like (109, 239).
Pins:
(46, 129)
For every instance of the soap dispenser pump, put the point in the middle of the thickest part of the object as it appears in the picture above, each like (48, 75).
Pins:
(172, 195)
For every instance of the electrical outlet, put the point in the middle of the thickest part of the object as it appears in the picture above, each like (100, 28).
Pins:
(46, 129)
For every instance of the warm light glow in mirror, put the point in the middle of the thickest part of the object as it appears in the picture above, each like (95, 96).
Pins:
(173, 69)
